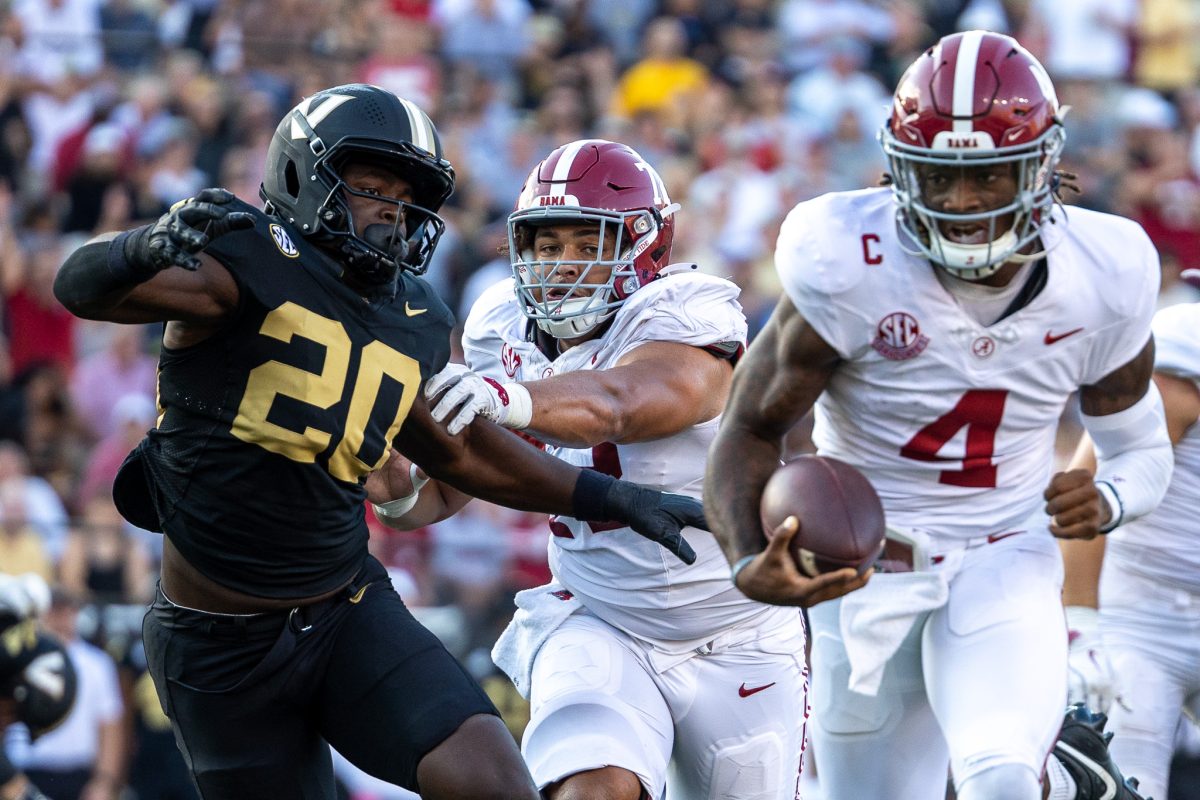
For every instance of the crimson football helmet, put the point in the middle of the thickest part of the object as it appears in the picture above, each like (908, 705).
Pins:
(591, 181)
(974, 99)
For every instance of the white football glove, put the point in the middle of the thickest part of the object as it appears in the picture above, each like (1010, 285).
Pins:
(465, 394)
(1091, 680)
(23, 596)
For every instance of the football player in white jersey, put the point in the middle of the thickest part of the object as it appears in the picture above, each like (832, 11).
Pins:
(1149, 584)
(940, 326)
(637, 665)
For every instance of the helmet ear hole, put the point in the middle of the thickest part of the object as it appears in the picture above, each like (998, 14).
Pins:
(291, 180)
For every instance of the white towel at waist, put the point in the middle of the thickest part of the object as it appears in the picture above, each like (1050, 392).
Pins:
(539, 613)
(875, 619)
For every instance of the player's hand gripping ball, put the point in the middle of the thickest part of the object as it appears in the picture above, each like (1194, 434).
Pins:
(841, 518)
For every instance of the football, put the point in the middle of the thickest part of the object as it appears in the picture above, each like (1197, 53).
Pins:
(841, 518)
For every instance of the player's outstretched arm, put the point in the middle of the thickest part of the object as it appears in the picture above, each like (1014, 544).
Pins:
(784, 371)
(490, 463)
(656, 390)
(128, 276)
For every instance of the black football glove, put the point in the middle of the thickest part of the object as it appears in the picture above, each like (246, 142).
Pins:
(659, 516)
(185, 230)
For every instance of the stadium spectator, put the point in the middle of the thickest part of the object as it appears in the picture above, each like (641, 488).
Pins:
(808, 29)
(43, 507)
(1083, 39)
(86, 756)
(102, 379)
(665, 80)
(57, 38)
(489, 35)
(21, 549)
(129, 35)
(130, 417)
(102, 563)
(40, 329)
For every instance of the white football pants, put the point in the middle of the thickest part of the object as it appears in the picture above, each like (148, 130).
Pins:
(1152, 635)
(727, 722)
(980, 682)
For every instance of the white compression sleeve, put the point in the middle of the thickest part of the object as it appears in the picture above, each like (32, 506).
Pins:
(1134, 458)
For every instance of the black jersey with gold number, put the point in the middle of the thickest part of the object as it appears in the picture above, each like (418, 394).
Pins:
(269, 426)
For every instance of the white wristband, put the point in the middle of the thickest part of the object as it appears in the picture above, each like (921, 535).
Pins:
(394, 509)
(1115, 507)
(518, 413)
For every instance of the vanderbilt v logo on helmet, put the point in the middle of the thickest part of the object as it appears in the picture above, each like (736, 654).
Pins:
(328, 103)
(303, 184)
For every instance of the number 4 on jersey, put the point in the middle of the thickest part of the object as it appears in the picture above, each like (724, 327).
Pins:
(979, 411)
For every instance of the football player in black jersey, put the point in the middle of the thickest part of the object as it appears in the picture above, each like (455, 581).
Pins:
(297, 340)
(37, 680)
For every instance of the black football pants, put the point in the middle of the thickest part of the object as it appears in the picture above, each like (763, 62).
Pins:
(255, 700)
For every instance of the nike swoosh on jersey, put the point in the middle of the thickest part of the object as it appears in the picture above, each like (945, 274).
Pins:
(1052, 338)
(744, 692)
(412, 312)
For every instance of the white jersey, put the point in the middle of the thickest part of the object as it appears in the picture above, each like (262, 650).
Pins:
(625, 579)
(952, 421)
(1165, 544)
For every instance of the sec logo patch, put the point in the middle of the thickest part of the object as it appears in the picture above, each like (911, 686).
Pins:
(898, 337)
(283, 241)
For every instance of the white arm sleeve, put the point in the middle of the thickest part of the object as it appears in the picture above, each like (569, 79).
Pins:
(1134, 458)
(23, 596)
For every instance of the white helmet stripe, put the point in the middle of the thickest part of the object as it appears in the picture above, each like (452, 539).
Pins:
(562, 169)
(419, 124)
(964, 81)
(317, 116)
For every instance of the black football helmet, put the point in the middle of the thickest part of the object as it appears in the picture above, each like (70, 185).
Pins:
(303, 183)
(42, 681)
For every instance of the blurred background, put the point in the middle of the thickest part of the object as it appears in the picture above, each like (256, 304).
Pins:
(111, 110)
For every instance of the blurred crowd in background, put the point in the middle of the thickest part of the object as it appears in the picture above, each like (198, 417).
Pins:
(111, 110)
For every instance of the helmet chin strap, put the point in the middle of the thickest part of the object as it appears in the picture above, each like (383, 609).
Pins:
(958, 258)
(387, 238)
(367, 267)
(572, 327)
